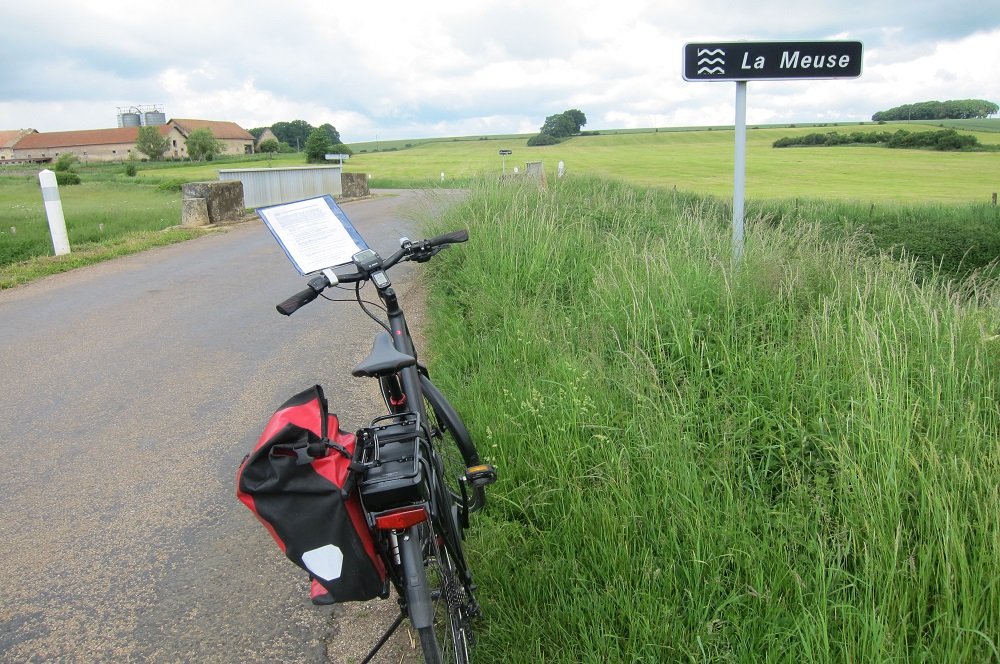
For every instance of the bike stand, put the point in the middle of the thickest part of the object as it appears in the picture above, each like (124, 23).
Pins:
(385, 637)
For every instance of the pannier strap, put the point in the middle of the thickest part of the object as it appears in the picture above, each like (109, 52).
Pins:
(337, 446)
(305, 451)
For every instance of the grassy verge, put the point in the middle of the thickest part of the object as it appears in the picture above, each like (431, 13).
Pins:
(23, 272)
(103, 220)
(792, 461)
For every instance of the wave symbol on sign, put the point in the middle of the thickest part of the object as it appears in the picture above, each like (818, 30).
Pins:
(705, 58)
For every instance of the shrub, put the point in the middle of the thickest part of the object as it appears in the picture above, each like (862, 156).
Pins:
(542, 139)
(67, 178)
(131, 170)
(268, 145)
(317, 146)
(66, 162)
(171, 185)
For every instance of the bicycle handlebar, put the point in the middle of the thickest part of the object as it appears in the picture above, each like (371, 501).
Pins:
(448, 238)
(420, 251)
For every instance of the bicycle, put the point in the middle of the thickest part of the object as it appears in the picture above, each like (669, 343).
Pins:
(423, 476)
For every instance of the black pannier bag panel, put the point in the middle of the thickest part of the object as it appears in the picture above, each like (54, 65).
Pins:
(298, 482)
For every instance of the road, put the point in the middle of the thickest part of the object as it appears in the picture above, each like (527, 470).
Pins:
(129, 393)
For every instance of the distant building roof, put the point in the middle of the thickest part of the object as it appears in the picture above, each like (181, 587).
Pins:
(265, 135)
(8, 137)
(229, 130)
(60, 139)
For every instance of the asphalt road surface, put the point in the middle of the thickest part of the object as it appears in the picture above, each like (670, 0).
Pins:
(129, 393)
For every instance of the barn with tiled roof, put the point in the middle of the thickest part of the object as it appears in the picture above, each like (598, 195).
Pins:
(116, 144)
(8, 138)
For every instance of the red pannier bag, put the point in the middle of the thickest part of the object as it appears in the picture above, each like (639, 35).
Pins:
(299, 482)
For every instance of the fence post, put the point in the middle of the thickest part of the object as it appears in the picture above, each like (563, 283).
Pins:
(994, 198)
(54, 211)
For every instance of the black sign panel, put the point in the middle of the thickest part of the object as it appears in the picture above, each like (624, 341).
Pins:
(506, 152)
(772, 61)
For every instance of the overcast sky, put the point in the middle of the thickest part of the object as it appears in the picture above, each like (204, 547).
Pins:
(411, 69)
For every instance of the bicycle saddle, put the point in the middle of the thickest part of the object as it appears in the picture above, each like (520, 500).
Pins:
(384, 360)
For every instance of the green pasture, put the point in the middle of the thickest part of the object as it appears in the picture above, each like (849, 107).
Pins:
(110, 204)
(702, 161)
(691, 159)
(976, 124)
(103, 219)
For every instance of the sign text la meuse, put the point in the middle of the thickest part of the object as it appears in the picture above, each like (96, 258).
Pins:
(742, 61)
(794, 59)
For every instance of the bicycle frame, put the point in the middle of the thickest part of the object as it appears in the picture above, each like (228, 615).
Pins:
(418, 518)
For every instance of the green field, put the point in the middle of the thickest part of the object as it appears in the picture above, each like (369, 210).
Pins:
(702, 161)
(103, 220)
(689, 159)
(795, 460)
(686, 159)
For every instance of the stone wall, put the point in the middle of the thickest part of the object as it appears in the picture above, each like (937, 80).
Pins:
(211, 202)
(355, 185)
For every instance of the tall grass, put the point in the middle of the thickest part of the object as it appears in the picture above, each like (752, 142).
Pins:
(796, 460)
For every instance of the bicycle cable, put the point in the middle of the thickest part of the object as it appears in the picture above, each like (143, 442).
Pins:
(361, 303)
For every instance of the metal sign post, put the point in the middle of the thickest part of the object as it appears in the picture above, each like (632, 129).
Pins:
(503, 160)
(764, 61)
(739, 169)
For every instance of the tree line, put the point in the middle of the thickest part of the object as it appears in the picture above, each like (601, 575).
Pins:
(945, 140)
(202, 145)
(300, 136)
(559, 126)
(954, 109)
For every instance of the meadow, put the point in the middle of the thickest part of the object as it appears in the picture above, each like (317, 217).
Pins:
(884, 191)
(103, 220)
(692, 160)
(702, 161)
(790, 460)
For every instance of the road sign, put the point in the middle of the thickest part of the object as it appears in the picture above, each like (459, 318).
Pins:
(336, 157)
(772, 61)
(504, 153)
(764, 61)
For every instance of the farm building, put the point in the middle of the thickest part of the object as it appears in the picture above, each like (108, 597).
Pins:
(116, 144)
(8, 139)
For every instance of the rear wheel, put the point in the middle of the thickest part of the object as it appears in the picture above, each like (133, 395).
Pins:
(453, 444)
(451, 633)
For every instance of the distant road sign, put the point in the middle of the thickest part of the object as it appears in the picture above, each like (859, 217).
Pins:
(504, 153)
(341, 157)
(772, 61)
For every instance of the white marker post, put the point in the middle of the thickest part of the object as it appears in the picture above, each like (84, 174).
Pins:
(764, 61)
(54, 211)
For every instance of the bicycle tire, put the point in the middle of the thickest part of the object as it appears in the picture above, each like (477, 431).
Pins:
(453, 443)
(450, 637)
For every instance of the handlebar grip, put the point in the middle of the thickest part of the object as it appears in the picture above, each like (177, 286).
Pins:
(300, 299)
(449, 238)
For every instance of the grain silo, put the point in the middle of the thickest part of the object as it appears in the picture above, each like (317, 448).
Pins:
(154, 117)
(129, 117)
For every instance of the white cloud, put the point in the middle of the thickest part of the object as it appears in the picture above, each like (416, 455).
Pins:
(404, 69)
